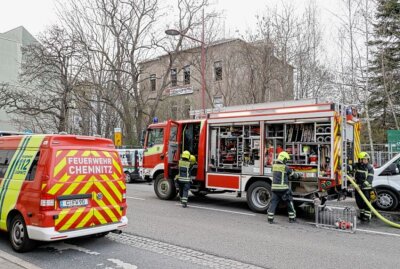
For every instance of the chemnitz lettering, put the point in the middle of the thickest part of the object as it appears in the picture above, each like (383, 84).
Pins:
(89, 165)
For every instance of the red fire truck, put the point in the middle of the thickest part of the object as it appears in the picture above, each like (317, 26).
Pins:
(235, 148)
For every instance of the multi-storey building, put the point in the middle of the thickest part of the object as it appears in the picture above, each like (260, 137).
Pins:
(10, 64)
(237, 73)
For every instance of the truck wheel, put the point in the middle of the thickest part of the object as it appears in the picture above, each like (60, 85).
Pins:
(259, 196)
(386, 200)
(164, 188)
(18, 235)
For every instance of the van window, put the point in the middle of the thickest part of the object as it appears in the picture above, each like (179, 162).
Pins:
(32, 170)
(5, 158)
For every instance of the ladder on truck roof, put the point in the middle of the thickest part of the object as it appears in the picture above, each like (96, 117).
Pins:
(279, 104)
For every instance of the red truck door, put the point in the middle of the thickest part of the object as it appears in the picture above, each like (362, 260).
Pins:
(171, 146)
(154, 147)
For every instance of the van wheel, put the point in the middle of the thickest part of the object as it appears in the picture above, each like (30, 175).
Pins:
(164, 187)
(18, 235)
(386, 200)
(259, 196)
(128, 177)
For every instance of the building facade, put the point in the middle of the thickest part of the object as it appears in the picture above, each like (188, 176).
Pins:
(11, 43)
(236, 73)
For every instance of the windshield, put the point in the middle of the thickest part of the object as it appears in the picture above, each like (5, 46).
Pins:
(155, 137)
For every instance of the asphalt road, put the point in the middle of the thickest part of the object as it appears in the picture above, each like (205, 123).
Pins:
(219, 231)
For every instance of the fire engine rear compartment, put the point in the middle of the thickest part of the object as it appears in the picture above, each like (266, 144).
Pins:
(244, 143)
(238, 148)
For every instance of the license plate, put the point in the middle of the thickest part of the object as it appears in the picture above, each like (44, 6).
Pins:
(74, 203)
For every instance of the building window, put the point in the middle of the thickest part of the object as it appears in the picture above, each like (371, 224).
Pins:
(153, 82)
(174, 77)
(187, 109)
(174, 110)
(218, 70)
(186, 75)
(218, 101)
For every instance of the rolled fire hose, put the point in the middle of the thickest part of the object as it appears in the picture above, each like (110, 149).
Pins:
(373, 210)
(327, 139)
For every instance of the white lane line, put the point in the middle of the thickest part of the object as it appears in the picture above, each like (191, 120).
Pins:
(376, 232)
(367, 231)
(61, 246)
(135, 198)
(228, 195)
(121, 264)
(220, 210)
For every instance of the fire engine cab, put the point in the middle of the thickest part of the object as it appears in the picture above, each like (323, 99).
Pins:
(236, 146)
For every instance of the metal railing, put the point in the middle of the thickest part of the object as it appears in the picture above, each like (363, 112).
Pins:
(382, 153)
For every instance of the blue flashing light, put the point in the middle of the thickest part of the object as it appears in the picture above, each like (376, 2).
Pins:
(155, 120)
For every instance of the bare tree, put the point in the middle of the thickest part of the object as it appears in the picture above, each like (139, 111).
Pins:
(114, 35)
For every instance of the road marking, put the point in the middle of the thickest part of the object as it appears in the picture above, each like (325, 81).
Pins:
(135, 198)
(229, 195)
(121, 264)
(61, 246)
(220, 210)
(367, 231)
(376, 232)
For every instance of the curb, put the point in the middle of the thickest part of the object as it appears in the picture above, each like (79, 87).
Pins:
(17, 261)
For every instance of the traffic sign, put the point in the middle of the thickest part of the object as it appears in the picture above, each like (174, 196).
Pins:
(117, 137)
(394, 140)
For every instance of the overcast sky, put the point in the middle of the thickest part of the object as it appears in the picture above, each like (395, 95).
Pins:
(35, 15)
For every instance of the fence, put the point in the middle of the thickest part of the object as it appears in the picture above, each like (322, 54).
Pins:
(340, 218)
(382, 153)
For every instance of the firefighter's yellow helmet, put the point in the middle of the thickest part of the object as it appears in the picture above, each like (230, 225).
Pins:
(192, 159)
(283, 156)
(186, 155)
(363, 155)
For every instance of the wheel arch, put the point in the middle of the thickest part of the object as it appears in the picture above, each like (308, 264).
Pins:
(256, 178)
(156, 170)
(11, 215)
(390, 188)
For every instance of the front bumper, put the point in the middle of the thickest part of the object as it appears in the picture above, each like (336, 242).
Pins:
(50, 234)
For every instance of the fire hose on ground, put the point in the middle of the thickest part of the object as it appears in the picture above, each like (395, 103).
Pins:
(373, 210)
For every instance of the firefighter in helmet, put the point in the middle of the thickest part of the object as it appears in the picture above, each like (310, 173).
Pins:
(280, 187)
(364, 174)
(185, 167)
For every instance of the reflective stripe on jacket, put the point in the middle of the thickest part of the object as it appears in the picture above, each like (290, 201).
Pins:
(184, 170)
(280, 176)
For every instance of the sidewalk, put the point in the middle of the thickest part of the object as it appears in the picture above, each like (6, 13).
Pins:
(9, 261)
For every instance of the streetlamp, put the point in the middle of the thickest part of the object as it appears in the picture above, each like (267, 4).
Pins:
(174, 32)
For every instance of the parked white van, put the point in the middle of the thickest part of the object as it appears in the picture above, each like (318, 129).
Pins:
(387, 184)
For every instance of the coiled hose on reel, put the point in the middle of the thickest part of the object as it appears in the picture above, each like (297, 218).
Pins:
(373, 210)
